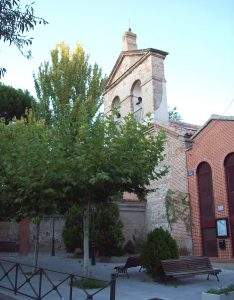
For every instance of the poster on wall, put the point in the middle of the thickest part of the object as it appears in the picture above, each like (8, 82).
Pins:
(222, 228)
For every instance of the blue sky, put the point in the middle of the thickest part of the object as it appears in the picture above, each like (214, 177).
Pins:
(199, 36)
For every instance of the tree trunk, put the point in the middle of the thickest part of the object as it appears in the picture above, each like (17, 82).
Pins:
(86, 241)
(36, 253)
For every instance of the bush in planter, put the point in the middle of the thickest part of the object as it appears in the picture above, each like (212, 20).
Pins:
(105, 230)
(222, 291)
(159, 246)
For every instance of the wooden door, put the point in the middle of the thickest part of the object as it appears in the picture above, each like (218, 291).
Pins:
(207, 211)
(229, 170)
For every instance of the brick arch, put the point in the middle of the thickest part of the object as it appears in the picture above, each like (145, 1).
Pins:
(207, 209)
(229, 159)
(229, 174)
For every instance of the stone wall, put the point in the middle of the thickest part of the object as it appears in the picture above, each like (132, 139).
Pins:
(46, 229)
(149, 70)
(132, 214)
(9, 231)
(175, 180)
(147, 66)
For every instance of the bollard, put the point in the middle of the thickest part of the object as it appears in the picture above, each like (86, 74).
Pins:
(93, 260)
(71, 287)
(40, 284)
(16, 278)
(112, 286)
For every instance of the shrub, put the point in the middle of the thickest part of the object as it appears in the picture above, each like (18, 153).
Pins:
(129, 247)
(221, 291)
(105, 230)
(73, 230)
(159, 246)
(108, 230)
(89, 283)
(139, 243)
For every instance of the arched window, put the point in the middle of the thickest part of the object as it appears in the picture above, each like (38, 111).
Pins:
(207, 210)
(115, 107)
(229, 171)
(137, 100)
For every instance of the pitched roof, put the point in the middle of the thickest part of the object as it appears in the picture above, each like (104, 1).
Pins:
(212, 118)
(142, 53)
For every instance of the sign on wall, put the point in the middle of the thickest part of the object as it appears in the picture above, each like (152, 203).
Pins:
(222, 228)
(190, 173)
(220, 207)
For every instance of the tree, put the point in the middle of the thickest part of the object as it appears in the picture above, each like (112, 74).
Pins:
(69, 80)
(15, 21)
(14, 102)
(105, 229)
(174, 115)
(26, 169)
(46, 169)
(87, 158)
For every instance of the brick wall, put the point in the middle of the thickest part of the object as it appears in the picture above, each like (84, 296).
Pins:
(212, 145)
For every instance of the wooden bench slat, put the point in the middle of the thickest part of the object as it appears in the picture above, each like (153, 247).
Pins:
(188, 266)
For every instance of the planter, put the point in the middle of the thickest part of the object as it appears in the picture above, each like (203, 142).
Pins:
(208, 296)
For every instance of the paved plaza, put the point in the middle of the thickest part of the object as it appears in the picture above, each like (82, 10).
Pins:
(138, 287)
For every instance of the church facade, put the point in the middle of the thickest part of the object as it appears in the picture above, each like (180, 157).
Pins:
(137, 85)
(195, 199)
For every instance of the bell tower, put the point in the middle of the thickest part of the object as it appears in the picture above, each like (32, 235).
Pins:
(138, 82)
(129, 40)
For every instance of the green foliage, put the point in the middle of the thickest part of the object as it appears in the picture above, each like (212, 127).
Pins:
(68, 154)
(159, 246)
(26, 170)
(82, 157)
(15, 22)
(174, 115)
(14, 102)
(139, 243)
(73, 229)
(178, 208)
(99, 158)
(105, 229)
(68, 80)
(222, 291)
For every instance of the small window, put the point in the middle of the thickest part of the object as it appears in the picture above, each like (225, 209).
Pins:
(137, 100)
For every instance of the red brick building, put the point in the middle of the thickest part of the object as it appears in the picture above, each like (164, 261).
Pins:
(210, 165)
